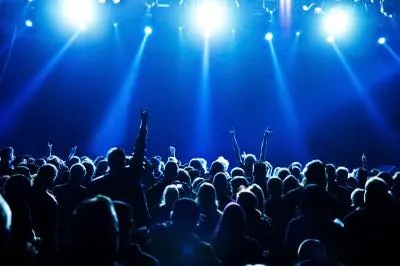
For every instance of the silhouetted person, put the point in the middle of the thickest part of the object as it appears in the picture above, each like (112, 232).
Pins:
(129, 253)
(257, 191)
(162, 212)
(290, 183)
(6, 159)
(260, 176)
(315, 222)
(69, 195)
(223, 190)
(94, 234)
(5, 230)
(231, 242)
(373, 229)
(176, 244)
(210, 214)
(313, 253)
(45, 210)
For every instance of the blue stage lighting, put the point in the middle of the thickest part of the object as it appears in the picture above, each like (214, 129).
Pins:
(115, 24)
(330, 39)
(298, 33)
(210, 17)
(148, 30)
(382, 40)
(337, 22)
(29, 23)
(80, 13)
(269, 36)
(116, 1)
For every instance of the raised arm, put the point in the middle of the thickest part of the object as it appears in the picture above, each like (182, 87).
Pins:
(235, 146)
(140, 145)
(364, 161)
(50, 149)
(263, 152)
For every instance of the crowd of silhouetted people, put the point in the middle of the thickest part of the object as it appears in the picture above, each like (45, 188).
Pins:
(129, 209)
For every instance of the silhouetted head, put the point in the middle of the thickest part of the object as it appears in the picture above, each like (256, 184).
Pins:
(314, 173)
(237, 171)
(40, 162)
(220, 182)
(17, 187)
(171, 170)
(247, 200)
(77, 174)
(200, 164)
(275, 187)
(185, 215)
(257, 191)
(216, 167)
(22, 170)
(170, 195)
(45, 177)
(361, 175)
(207, 197)
(260, 170)
(90, 170)
(342, 174)
(6, 155)
(94, 227)
(116, 159)
(296, 164)
(387, 178)
(249, 160)
(283, 173)
(352, 182)
(357, 198)
(330, 170)
(312, 249)
(296, 172)
(101, 168)
(232, 222)
(184, 177)
(290, 183)
(125, 221)
(5, 223)
(238, 183)
(196, 184)
(74, 160)
(376, 192)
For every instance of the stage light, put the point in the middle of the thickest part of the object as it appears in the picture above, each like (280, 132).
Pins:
(115, 24)
(317, 10)
(330, 39)
(80, 13)
(102, 1)
(337, 22)
(382, 40)
(148, 30)
(29, 23)
(116, 1)
(269, 36)
(298, 33)
(210, 17)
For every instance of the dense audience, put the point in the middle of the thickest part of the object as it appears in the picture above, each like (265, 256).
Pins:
(128, 209)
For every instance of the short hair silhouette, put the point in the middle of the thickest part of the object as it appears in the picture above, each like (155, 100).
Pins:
(207, 197)
(376, 192)
(185, 214)
(312, 249)
(275, 186)
(170, 195)
(77, 174)
(237, 171)
(315, 173)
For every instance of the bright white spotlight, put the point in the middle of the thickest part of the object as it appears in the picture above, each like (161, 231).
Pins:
(269, 36)
(317, 10)
(80, 13)
(29, 23)
(148, 30)
(298, 33)
(330, 39)
(116, 1)
(337, 22)
(382, 40)
(210, 17)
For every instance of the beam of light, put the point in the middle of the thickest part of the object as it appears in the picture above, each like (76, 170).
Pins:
(286, 13)
(373, 110)
(292, 122)
(113, 127)
(392, 53)
(11, 110)
(203, 127)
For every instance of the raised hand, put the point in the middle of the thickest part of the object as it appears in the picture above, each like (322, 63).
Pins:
(144, 115)
(232, 132)
(363, 158)
(268, 132)
(172, 151)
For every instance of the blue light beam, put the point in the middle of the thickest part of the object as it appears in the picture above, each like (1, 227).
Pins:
(112, 129)
(10, 112)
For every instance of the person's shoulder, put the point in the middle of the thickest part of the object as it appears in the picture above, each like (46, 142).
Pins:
(59, 188)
